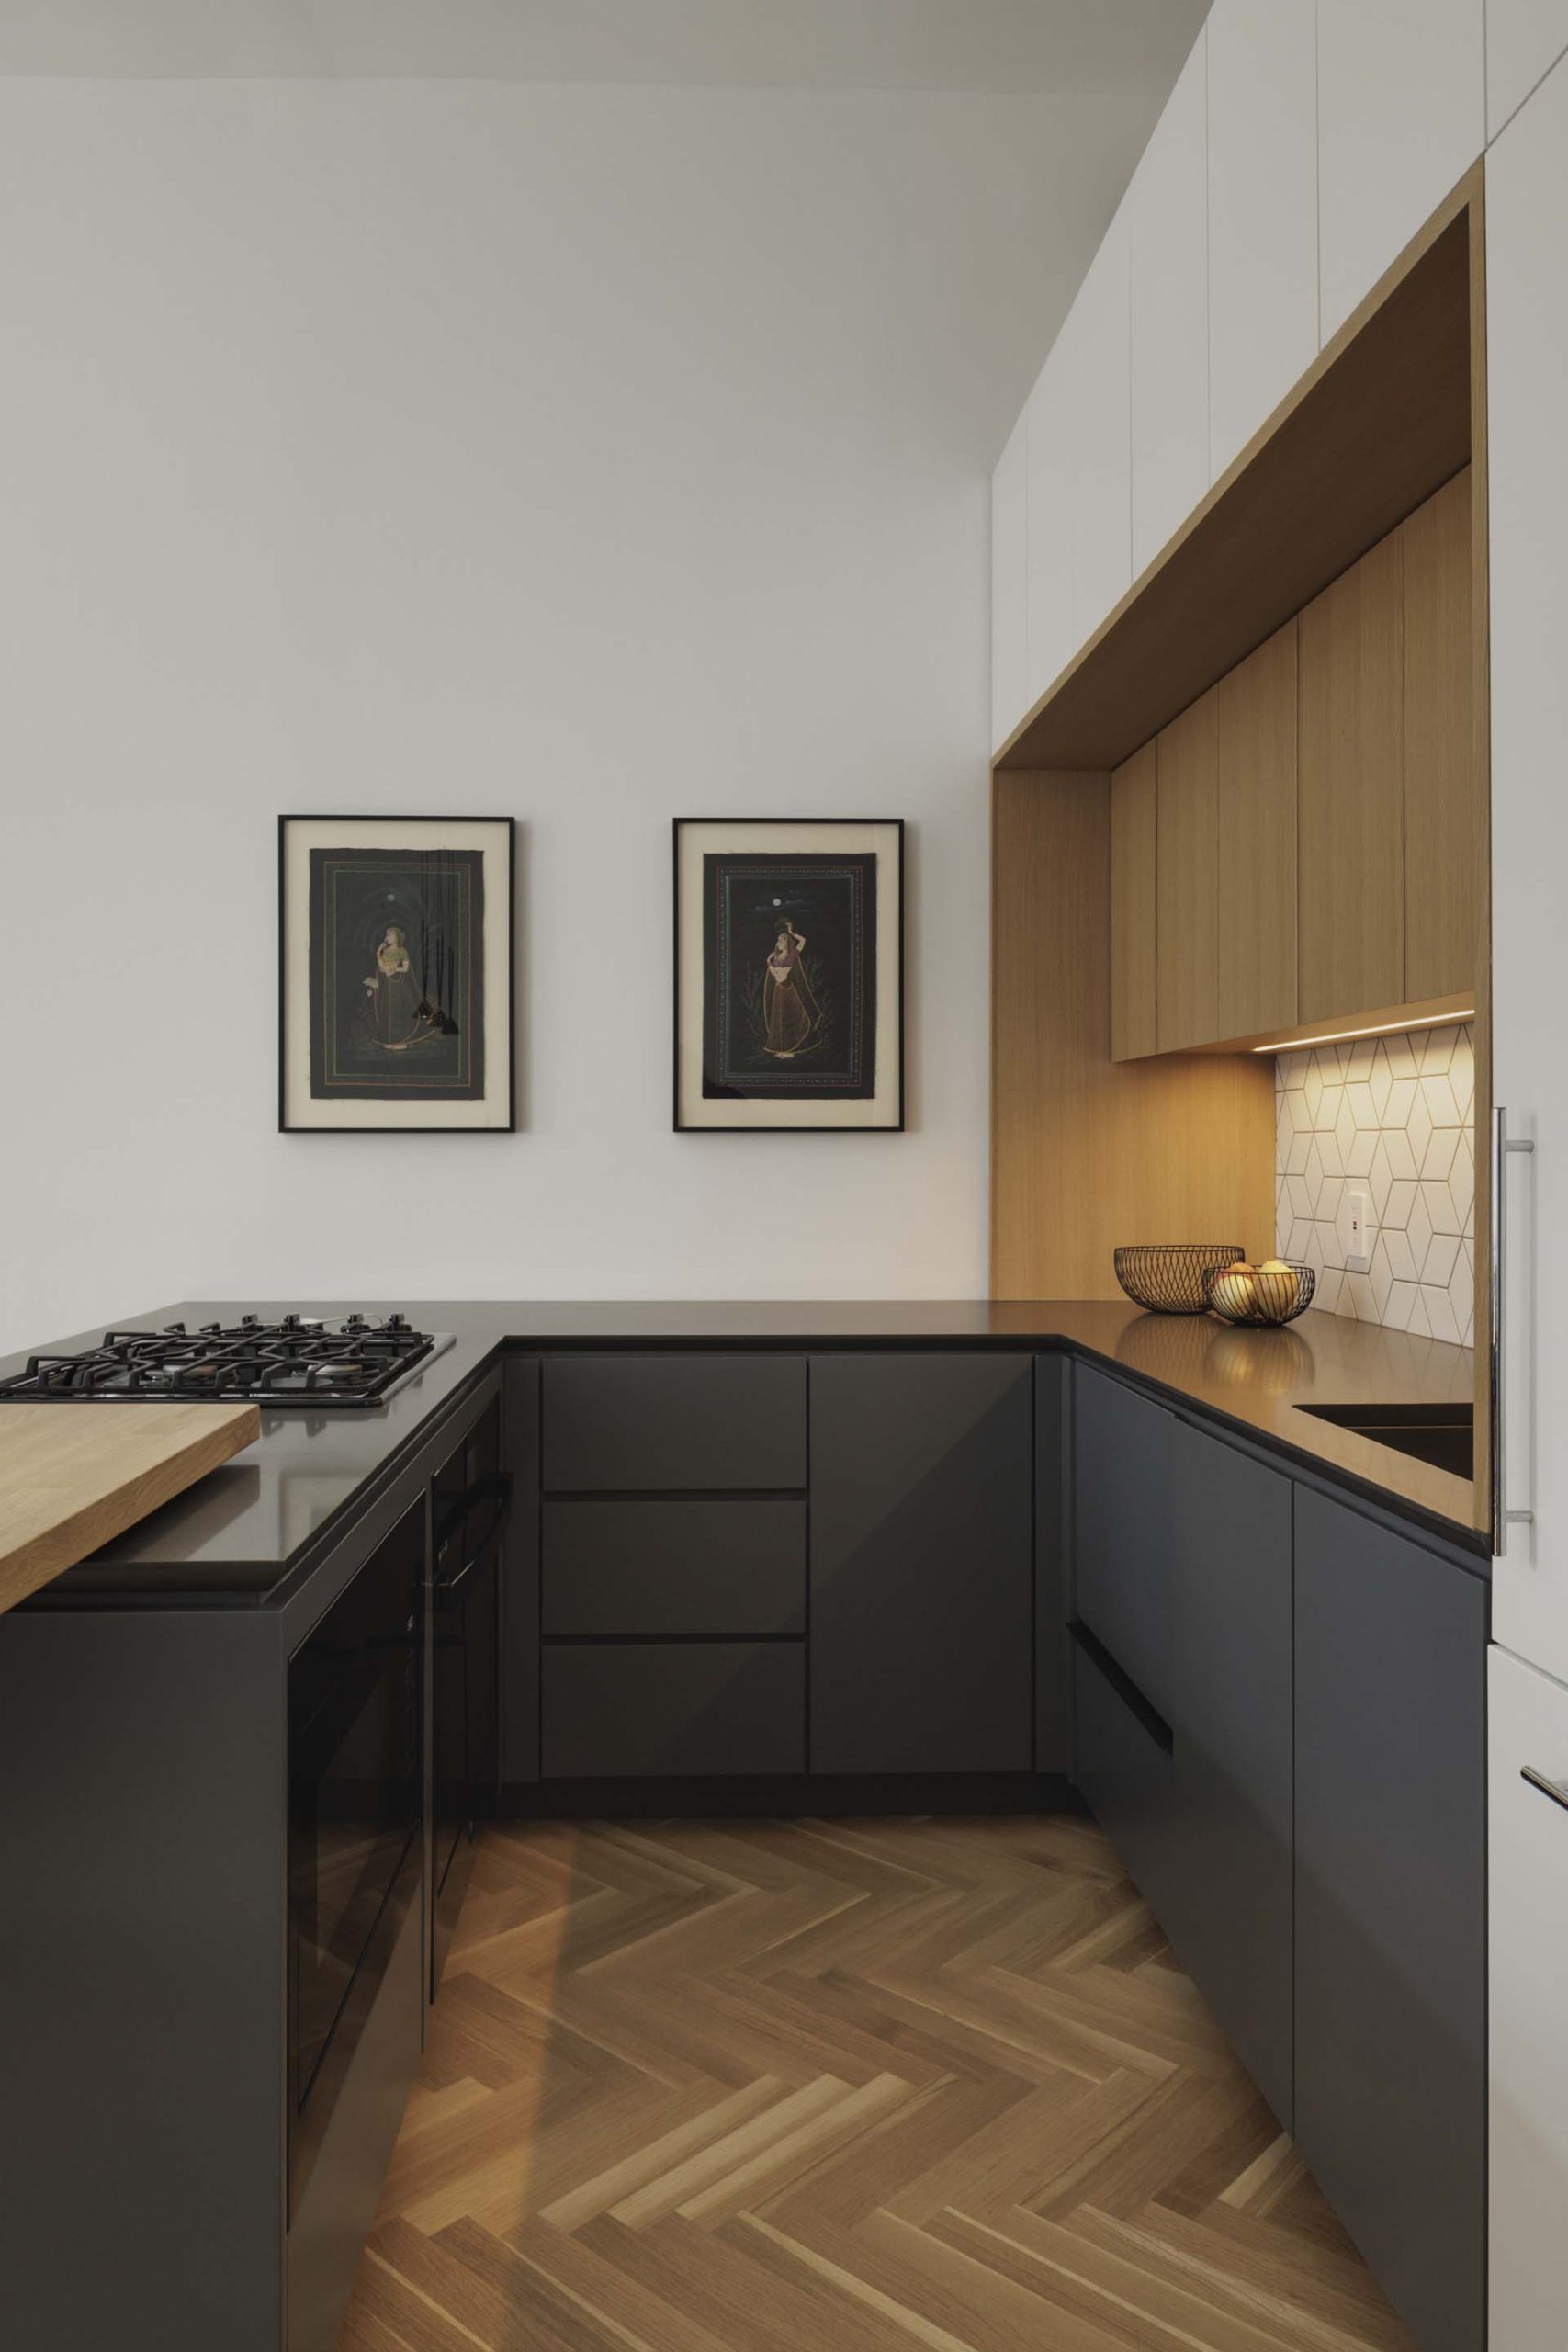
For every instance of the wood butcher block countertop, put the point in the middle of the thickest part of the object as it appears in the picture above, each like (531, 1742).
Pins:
(73, 1476)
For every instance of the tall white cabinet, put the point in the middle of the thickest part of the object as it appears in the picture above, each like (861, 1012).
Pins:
(1167, 227)
(1524, 40)
(1527, 1874)
(1527, 271)
(1401, 96)
(1526, 238)
(1262, 213)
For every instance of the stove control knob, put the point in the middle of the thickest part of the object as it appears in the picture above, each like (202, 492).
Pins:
(355, 1323)
(397, 1322)
(250, 1322)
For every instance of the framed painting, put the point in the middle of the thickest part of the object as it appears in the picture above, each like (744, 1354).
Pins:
(789, 973)
(396, 958)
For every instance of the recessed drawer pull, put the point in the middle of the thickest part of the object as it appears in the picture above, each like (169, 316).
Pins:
(1552, 1789)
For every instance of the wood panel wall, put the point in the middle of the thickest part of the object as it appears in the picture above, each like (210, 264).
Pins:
(1086, 1152)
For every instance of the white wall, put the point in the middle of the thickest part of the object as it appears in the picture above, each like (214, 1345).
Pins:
(593, 455)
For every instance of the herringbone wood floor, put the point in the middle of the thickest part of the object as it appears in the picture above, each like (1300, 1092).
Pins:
(840, 2086)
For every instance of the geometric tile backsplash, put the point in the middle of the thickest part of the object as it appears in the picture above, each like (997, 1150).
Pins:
(1390, 1117)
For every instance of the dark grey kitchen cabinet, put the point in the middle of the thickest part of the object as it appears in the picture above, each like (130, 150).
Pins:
(706, 1422)
(1124, 1474)
(673, 1566)
(923, 1563)
(1390, 1934)
(634, 1709)
(1184, 1582)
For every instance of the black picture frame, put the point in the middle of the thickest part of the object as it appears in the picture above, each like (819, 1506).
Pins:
(761, 837)
(481, 1100)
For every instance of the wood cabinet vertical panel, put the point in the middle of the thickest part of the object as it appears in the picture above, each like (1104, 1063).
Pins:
(1351, 788)
(1133, 917)
(1256, 871)
(1444, 814)
(1187, 957)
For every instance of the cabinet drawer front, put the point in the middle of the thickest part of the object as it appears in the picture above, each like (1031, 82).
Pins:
(674, 1567)
(1124, 1773)
(621, 1711)
(655, 1423)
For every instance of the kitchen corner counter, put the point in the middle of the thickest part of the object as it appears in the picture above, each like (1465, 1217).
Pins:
(235, 1537)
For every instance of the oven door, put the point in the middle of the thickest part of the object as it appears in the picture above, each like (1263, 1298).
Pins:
(355, 1819)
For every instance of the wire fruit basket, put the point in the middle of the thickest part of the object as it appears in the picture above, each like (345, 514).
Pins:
(1171, 1277)
(1276, 1291)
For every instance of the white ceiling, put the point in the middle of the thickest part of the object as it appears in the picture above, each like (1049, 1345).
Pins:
(1131, 48)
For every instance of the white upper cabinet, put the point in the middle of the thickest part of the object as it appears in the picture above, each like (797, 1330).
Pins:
(1168, 223)
(1401, 94)
(1262, 213)
(1524, 38)
(1526, 339)
(1010, 586)
(1094, 383)
(1050, 636)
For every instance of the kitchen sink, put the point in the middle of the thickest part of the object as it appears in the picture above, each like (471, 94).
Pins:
(1443, 1435)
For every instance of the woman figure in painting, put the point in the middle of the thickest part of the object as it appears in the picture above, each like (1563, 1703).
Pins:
(392, 998)
(789, 1009)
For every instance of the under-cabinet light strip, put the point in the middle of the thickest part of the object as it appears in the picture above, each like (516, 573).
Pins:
(1378, 1029)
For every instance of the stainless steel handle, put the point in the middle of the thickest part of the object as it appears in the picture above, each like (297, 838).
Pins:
(1502, 1146)
(1552, 1789)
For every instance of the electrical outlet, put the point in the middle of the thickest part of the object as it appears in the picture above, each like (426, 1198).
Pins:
(1355, 1234)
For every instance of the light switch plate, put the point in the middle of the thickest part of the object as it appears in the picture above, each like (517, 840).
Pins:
(1355, 1233)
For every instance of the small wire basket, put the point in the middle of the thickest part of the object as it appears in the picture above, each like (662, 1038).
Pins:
(1171, 1277)
(1275, 1294)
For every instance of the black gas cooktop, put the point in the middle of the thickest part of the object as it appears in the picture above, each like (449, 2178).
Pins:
(356, 1361)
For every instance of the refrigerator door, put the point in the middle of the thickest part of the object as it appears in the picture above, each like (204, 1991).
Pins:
(1529, 1870)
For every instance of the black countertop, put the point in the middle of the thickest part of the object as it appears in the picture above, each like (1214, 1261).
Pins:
(234, 1538)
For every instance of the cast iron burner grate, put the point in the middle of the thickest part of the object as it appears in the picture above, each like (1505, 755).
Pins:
(297, 1361)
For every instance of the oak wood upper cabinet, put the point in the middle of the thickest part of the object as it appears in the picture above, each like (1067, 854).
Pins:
(1226, 856)
(1527, 1867)
(923, 1563)
(1401, 118)
(1168, 225)
(1391, 1935)
(1134, 848)
(1186, 952)
(1444, 811)
(1527, 331)
(1262, 211)
(1352, 791)
(1255, 873)
(1524, 40)
(1010, 585)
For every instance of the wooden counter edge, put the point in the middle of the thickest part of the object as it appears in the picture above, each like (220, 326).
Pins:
(38, 1555)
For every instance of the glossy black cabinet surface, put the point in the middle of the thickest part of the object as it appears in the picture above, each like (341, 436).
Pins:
(1391, 1941)
(923, 1563)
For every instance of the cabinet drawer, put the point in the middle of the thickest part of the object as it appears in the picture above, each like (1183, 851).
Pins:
(623, 1710)
(674, 1567)
(668, 1422)
(1121, 1763)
